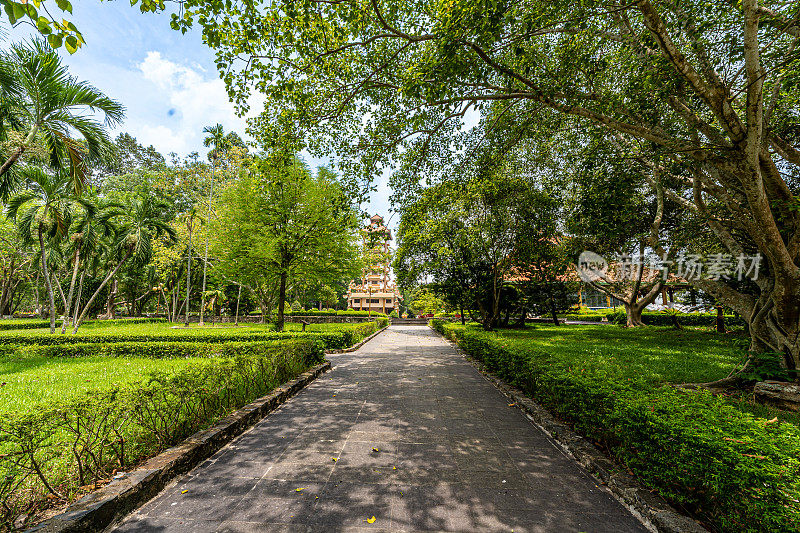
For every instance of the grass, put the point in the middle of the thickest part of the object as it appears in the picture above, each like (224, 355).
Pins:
(30, 381)
(645, 357)
(169, 329)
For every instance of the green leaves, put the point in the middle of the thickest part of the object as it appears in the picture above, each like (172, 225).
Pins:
(58, 32)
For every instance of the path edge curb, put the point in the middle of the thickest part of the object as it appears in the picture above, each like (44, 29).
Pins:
(355, 347)
(97, 511)
(652, 510)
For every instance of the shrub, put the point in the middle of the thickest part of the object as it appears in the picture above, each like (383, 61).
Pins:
(656, 318)
(6, 325)
(733, 470)
(56, 449)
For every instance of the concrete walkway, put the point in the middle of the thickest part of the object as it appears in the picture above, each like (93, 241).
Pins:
(403, 430)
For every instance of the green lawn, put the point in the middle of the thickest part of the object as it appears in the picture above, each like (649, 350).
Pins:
(648, 355)
(29, 381)
(644, 357)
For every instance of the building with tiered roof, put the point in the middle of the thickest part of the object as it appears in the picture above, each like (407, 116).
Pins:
(375, 291)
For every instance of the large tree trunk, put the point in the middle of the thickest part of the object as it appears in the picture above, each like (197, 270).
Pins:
(100, 288)
(68, 306)
(281, 302)
(553, 311)
(48, 282)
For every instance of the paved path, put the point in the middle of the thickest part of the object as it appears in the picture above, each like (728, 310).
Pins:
(423, 443)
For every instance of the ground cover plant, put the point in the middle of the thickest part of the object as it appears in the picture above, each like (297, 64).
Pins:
(733, 465)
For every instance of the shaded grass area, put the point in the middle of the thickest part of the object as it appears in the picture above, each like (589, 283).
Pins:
(28, 381)
(650, 355)
(644, 357)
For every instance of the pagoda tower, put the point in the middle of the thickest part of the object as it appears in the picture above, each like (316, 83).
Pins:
(375, 291)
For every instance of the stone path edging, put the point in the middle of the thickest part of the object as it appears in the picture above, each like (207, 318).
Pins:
(355, 347)
(653, 510)
(96, 511)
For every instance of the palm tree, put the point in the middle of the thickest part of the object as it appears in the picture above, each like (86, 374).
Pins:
(189, 218)
(138, 222)
(45, 210)
(48, 104)
(88, 229)
(216, 137)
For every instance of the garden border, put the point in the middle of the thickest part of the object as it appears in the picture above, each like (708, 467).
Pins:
(355, 347)
(656, 514)
(96, 511)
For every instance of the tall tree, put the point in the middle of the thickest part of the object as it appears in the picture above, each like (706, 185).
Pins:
(216, 138)
(709, 87)
(50, 104)
(138, 223)
(279, 224)
(44, 213)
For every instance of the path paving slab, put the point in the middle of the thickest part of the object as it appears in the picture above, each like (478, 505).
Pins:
(402, 435)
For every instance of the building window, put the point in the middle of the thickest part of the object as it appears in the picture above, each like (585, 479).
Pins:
(376, 300)
(388, 301)
(356, 300)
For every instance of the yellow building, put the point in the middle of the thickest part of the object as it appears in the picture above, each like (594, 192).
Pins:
(375, 291)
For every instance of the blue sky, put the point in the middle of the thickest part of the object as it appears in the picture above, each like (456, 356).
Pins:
(167, 81)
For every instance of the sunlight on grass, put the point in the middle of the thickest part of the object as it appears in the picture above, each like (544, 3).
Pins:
(27, 382)
(645, 357)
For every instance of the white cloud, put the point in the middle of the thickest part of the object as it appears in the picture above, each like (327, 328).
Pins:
(191, 101)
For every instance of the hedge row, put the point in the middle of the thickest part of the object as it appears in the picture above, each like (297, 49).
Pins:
(139, 345)
(732, 470)
(657, 318)
(6, 325)
(324, 312)
(157, 336)
(52, 451)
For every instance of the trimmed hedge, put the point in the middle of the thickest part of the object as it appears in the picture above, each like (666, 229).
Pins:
(734, 471)
(658, 318)
(137, 345)
(54, 450)
(7, 325)
(317, 312)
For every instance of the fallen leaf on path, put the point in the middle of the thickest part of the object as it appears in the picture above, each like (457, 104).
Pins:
(184, 491)
(334, 459)
(512, 404)
(374, 449)
(300, 489)
(371, 520)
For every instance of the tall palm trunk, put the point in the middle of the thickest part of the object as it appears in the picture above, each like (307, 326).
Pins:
(14, 157)
(205, 255)
(49, 283)
(78, 297)
(188, 276)
(100, 288)
(238, 299)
